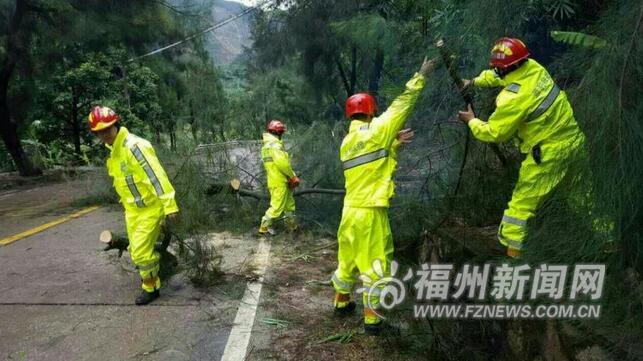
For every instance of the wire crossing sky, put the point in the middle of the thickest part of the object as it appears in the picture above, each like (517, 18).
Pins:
(206, 30)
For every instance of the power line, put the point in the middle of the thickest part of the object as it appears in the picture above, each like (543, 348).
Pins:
(211, 28)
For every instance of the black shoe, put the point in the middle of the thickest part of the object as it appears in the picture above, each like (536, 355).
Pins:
(382, 329)
(146, 297)
(373, 329)
(346, 310)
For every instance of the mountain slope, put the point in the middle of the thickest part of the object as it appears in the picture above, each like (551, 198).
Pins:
(226, 43)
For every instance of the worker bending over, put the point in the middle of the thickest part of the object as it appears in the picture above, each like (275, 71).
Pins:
(533, 111)
(144, 191)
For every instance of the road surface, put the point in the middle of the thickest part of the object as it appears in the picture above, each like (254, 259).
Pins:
(62, 298)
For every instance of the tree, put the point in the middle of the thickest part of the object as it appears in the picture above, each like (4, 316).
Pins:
(74, 91)
(17, 38)
(43, 46)
(85, 80)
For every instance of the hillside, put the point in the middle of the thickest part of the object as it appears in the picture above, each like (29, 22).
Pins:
(227, 42)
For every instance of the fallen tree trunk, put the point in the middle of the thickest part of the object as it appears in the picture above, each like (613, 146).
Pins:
(234, 187)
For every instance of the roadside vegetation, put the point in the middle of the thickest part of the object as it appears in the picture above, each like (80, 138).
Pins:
(307, 57)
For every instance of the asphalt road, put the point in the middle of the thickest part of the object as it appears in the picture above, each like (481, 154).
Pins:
(62, 298)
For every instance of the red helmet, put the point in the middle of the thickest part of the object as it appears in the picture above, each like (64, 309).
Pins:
(360, 103)
(507, 52)
(101, 118)
(276, 127)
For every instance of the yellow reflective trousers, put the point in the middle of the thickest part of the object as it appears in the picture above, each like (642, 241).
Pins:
(143, 230)
(276, 162)
(365, 241)
(281, 202)
(535, 184)
(147, 196)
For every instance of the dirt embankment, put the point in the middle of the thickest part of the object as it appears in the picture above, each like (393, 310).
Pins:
(296, 320)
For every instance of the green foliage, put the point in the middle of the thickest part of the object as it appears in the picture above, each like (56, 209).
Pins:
(312, 48)
(560, 9)
(6, 164)
(207, 103)
(99, 189)
(88, 80)
(366, 31)
(76, 55)
(606, 98)
(305, 60)
(578, 39)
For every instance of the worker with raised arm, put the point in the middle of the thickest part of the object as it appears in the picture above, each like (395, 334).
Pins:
(368, 156)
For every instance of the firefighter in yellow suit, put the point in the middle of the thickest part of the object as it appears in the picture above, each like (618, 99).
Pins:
(535, 112)
(144, 191)
(281, 179)
(368, 160)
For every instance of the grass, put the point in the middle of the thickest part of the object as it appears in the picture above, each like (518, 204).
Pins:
(274, 322)
(340, 337)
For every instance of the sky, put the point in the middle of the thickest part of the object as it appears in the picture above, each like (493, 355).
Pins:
(253, 2)
(246, 2)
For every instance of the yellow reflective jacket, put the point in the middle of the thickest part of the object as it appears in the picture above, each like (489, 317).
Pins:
(488, 79)
(531, 109)
(368, 152)
(276, 161)
(139, 178)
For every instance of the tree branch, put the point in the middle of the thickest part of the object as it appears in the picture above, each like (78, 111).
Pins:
(234, 188)
(342, 75)
(173, 8)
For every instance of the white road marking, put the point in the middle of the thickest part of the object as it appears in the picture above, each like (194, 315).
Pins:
(239, 339)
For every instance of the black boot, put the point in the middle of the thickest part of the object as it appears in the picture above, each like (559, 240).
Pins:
(146, 297)
(382, 329)
(373, 329)
(346, 310)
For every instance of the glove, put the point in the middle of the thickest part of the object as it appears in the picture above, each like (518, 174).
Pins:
(428, 66)
(466, 83)
(293, 182)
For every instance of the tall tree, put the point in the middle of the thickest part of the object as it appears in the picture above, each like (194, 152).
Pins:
(17, 38)
(44, 53)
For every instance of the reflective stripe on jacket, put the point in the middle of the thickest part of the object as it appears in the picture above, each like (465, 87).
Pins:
(139, 178)
(367, 154)
(531, 109)
(276, 161)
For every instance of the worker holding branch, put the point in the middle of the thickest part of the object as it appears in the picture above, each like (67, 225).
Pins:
(144, 190)
(533, 111)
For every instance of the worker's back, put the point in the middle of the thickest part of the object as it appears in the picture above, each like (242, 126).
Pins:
(368, 166)
(139, 178)
(275, 161)
(547, 113)
(366, 152)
